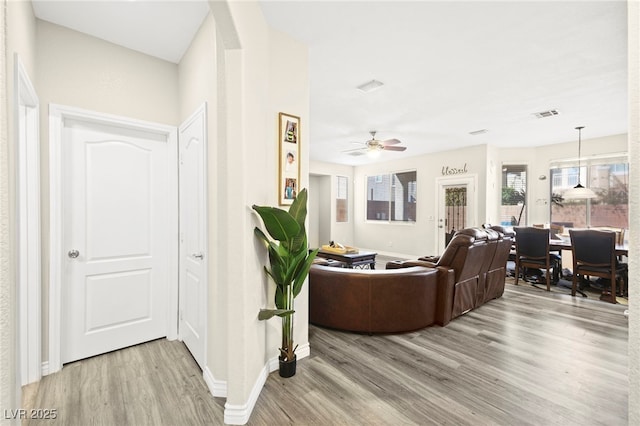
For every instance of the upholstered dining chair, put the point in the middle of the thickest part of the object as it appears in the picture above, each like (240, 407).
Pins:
(594, 255)
(532, 251)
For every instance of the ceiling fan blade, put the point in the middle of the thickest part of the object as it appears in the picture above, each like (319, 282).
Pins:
(390, 142)
(394, 148)
(364, 148)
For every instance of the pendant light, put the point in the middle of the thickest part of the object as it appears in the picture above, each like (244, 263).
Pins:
(579, 192)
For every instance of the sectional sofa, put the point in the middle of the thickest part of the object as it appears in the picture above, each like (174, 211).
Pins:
(413, 294)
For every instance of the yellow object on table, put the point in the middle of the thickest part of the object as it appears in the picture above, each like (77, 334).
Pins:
(339, 249)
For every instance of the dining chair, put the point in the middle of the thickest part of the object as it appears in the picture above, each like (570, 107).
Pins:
(532, 251)
(594, 255)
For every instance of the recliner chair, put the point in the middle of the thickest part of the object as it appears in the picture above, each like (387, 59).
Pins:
(497, 272)
(459, 266)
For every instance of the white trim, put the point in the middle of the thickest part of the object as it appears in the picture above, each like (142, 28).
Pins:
(45, 368)
(27, 125)
(240, 414)
(55, 236)
(57, 115)
(302, 351)
(174, 232)
(218, 388)
(200, 111)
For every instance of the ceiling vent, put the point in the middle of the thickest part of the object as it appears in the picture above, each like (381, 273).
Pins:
(478, 132)
(545, 114)
(370, 86)
(356, 153)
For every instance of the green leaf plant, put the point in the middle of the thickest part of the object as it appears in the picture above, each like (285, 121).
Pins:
(289, 261)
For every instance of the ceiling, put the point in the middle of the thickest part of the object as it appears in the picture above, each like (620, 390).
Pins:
(449, 68)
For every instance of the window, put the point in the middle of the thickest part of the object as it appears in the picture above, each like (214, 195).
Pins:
(513, 208)
(608, 178)
(392, 197)
(342, 199)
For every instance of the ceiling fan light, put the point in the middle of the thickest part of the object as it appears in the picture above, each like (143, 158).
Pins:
(374, 153)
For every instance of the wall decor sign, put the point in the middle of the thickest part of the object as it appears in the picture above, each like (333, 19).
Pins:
(448, 171)
(289, 156)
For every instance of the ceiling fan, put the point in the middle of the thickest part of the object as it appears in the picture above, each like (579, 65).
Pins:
(373, 146)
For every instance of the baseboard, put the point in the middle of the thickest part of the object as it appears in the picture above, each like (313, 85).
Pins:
(45, 368)
(302, 352)
(218, 388)
(240, 414)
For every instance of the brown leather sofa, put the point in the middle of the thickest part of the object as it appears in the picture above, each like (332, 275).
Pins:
(497, 272)
(373, 301)
(476, 261)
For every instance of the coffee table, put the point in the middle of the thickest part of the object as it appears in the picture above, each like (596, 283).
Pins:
(362, 260)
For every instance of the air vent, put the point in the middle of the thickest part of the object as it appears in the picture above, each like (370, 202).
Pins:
(356, 153)
(370, 86)
(545, 114)
(478, 132)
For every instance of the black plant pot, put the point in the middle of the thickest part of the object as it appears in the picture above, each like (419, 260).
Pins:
(287, 368)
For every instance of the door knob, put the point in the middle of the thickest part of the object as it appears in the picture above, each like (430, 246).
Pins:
(198, 256)
(73, 253)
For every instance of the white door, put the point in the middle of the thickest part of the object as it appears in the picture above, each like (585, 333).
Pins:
(457, 206)
(193, 234)
(116, 236)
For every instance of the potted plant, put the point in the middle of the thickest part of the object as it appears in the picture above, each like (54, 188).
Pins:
(290, 260)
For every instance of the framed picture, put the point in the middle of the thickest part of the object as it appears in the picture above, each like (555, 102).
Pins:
(289, 155)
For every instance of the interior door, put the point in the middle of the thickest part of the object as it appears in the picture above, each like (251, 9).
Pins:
(116, 236)
(456, 208)
(193, 234)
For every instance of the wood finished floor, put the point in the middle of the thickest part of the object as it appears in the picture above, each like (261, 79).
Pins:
(529, 358)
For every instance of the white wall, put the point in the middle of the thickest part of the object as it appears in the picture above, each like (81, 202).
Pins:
(493, 185)
(77, 70)
(324, 211)
(198, 83)
(265, 74)
(256, 137)
(419, 238)
(316, 199)
(539, 159)
(484, 161)
(341, 232)
(17, 35)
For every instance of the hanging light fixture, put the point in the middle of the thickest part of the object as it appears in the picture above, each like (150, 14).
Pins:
(579, 192)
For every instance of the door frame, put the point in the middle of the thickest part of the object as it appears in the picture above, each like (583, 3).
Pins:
(29, 232)
(471, 181)
(201, 111)
(57, 116)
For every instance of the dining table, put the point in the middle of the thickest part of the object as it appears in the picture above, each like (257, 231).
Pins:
(565, 244)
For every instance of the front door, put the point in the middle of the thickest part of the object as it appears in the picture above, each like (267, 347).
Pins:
(116, 237)
(456, 208)
(193, 234)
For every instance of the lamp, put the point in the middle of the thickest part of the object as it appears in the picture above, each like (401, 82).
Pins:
(374, 151)
(579, 191)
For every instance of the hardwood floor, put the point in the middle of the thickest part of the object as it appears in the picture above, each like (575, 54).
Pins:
(155, 383)
(529, 358)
